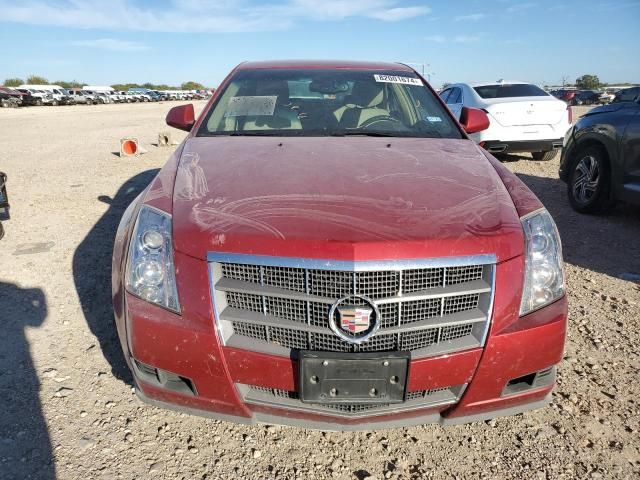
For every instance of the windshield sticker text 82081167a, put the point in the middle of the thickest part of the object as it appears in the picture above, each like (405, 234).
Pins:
(397, 79)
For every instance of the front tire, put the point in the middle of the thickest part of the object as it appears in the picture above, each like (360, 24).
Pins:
(544, 156)
(589, 186)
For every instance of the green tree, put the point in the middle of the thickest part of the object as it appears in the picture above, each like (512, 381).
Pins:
(71, 84)
(192, 86)
(37, 80)
(13, 82)
(588, 82)
(124, 86)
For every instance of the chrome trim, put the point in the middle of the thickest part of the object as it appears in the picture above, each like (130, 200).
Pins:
(350, 265)
(491, 303)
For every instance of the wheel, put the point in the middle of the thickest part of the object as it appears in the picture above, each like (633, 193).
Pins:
(589, 186)
(544, 156)
(89, 102)
(54, 103)
(39, 102)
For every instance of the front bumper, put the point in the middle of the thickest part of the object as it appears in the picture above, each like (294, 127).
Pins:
(198, 375)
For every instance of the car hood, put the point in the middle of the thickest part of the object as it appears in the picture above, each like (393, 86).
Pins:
(351, 198)
(611, 107)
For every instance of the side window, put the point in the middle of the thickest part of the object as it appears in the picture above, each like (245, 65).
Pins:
(444, 94)
(629, 95)
(455, 97)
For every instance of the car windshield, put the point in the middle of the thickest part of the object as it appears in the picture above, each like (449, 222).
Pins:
(328, 102)
(510, 90)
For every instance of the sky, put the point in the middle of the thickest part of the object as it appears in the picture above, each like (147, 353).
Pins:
(102, 42)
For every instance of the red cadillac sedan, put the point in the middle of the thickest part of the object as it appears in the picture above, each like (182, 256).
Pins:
(327, 248)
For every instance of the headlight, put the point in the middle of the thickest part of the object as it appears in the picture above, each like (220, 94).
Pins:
(543, 278)
(150, 271)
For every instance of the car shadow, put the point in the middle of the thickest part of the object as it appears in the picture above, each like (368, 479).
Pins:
(25, 445)
(605, 243)
(92, 273)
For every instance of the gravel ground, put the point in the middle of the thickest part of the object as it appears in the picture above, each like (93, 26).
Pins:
(68, 409)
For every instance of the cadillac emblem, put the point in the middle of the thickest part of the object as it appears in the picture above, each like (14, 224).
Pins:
(354, 319)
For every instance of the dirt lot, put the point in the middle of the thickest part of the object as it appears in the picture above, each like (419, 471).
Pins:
(67, 406)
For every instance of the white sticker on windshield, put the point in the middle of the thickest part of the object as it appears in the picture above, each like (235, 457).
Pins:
(434, 119)
(251, 105)
(396, 79)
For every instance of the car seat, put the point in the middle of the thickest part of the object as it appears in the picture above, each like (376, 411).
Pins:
(364, 103)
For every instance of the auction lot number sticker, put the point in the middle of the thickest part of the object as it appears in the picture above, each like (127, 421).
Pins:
(397, 79)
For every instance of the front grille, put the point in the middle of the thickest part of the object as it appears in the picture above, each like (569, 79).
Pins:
(274, 397)
(277, 308)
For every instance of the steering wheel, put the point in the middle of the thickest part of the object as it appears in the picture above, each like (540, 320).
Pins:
(377, 119)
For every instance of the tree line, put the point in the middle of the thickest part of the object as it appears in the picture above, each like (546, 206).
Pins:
(38, 80)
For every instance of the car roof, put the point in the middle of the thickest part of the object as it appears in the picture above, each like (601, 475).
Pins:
(323, 64)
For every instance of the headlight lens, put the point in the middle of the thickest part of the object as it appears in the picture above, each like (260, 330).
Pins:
(543, 278)
(150, 270)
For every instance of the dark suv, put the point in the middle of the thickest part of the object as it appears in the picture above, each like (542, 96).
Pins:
(601, 157)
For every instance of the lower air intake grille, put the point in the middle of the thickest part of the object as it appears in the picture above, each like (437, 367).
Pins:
(275, 397)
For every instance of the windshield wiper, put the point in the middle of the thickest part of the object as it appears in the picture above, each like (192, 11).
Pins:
(254, 133)
(353, 133)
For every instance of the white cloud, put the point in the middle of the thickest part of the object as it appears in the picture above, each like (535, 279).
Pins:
(456, 39)
(436, 38)
(472, 17)
(111, 44)
(400, 13)
(466, 38)
(210, 16)
(521, 7)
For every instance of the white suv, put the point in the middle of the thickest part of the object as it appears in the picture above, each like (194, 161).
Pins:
(523, 117)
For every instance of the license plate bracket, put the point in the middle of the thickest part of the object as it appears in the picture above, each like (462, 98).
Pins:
(339, 378)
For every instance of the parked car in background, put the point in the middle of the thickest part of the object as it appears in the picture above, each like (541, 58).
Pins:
(565, 95)
(10, 97)
(100, 97)
(116, 97)
(37, 97)
(586, 97)
(161, 95)
(606, 97)
(80, 96)
(601, 159)
(627, 95)
(355, 244)
(147, 94)
(523, 117)
(60, 95)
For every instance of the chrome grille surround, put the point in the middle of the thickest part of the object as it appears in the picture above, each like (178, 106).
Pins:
(274, 397)
(279, 304)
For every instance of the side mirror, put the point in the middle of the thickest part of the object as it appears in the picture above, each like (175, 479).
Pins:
(182, 117)
(473, 120)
